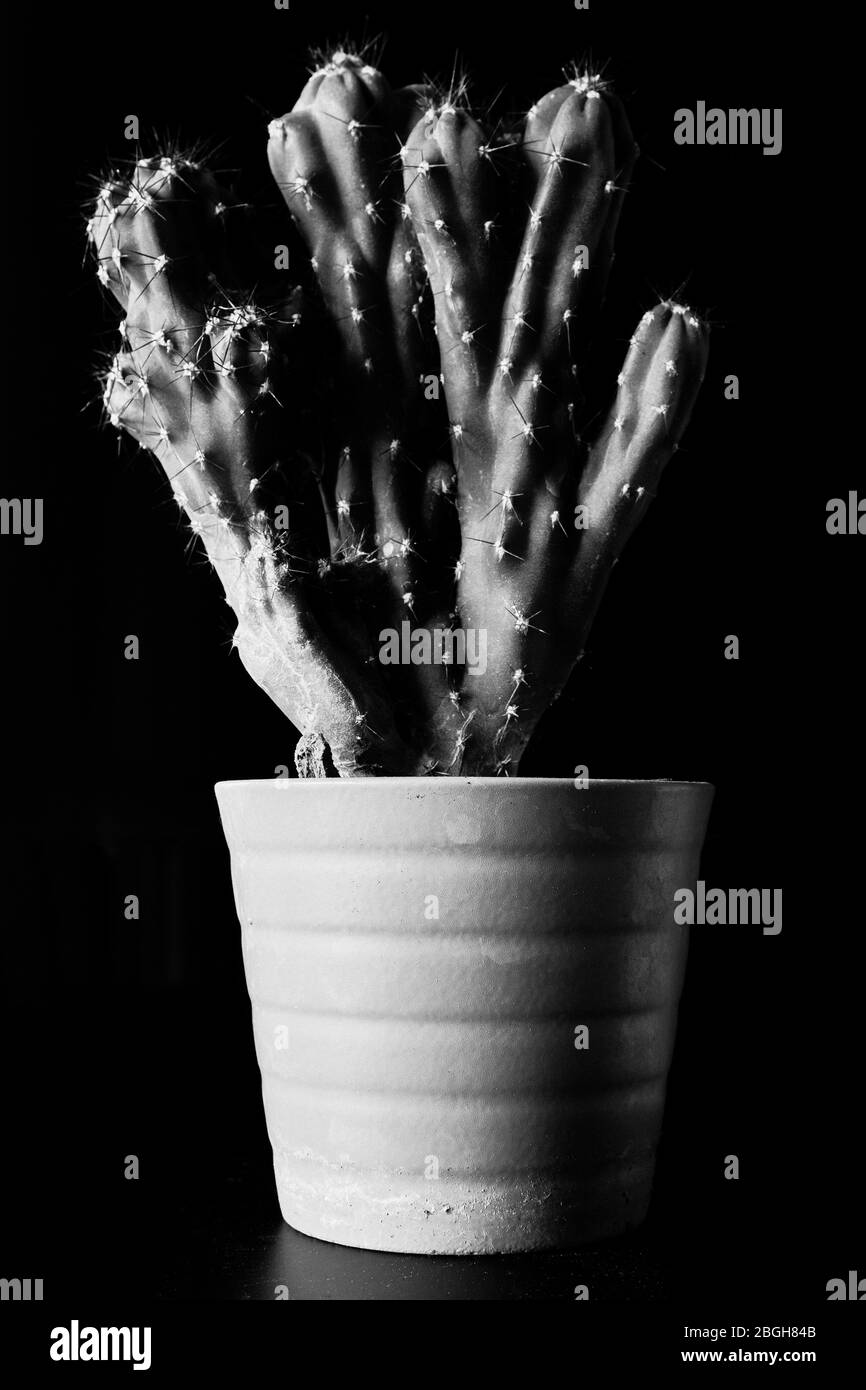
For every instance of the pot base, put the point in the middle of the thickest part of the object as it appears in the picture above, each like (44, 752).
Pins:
(492, 1215)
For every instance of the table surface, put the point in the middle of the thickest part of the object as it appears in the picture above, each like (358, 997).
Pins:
(242, 1249)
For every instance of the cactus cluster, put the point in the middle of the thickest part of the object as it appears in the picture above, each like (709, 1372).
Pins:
(404, 438)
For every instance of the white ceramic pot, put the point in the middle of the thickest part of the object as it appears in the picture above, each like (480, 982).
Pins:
(464, 996)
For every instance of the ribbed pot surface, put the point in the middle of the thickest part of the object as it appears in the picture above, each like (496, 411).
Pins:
(423, 957)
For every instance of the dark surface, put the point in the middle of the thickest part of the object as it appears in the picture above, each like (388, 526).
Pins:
(134, 1037)
(244, 1250)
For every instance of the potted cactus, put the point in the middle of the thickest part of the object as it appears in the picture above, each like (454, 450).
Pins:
(464, 982)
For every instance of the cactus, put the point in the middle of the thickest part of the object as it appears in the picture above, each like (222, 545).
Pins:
(403, 441)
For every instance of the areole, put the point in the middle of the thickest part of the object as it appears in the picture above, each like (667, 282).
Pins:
(464, 997)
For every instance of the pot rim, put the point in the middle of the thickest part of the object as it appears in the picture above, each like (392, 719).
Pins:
(279, 783)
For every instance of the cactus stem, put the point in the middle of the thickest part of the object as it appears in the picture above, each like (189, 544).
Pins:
(396, 238)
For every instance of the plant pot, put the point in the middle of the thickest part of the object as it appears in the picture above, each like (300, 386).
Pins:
(422, 956)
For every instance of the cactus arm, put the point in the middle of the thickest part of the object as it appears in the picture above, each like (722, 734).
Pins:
(656, 391)
(333, 159)
(199, 387)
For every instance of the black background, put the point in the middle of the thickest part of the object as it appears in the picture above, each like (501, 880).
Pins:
(135, 1038)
